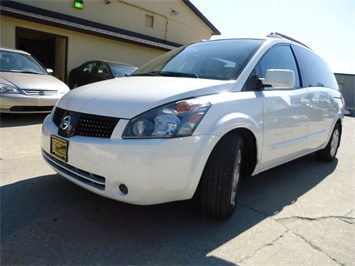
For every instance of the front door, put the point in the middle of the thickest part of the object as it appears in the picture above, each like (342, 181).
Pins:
(285, 112)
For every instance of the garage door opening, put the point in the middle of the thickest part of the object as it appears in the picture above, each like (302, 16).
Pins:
(49, 49)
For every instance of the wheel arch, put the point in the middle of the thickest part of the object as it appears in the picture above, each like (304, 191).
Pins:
(234, 123)
(250, 154)
(339, 122)
(211, 190)
(251, 131)
(249, 160)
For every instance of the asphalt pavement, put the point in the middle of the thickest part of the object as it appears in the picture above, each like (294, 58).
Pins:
(300, 213)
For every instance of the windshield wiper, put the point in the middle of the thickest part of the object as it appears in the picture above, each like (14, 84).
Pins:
(167, 74)
(178, 74)
(20, 71)
(30, 72)
(152, 73)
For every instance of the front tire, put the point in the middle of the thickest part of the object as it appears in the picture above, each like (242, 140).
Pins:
(330, 151)
(221, 176)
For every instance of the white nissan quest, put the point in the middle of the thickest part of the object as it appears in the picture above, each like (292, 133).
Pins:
(195, 120)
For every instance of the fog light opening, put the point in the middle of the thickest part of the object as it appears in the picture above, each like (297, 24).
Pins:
(123, 188)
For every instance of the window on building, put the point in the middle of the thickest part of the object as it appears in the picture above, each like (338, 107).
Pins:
(149, 21)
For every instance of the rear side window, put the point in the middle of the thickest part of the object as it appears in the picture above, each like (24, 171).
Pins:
(315, 72)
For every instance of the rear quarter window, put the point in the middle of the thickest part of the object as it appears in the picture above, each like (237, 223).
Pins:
(315, 72)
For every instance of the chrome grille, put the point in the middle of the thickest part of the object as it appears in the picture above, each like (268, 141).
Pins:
(87, 124)
(40, 92)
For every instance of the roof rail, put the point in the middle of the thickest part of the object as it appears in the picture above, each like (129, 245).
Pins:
(279, 35)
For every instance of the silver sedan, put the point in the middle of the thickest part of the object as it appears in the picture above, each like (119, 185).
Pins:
(25, 85)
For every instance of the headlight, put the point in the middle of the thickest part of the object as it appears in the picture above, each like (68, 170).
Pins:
(4, 88)
(177, 119)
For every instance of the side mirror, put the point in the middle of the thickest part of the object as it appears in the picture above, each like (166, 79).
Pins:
(279, 78)
(50, 71)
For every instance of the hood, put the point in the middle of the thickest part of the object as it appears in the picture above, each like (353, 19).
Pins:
(33, 81)
(130, 96)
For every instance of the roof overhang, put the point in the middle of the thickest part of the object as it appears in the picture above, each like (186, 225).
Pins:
(30, 13)
(215, 31)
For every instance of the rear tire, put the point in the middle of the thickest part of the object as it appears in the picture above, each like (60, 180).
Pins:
(221, 176)
(330, 151)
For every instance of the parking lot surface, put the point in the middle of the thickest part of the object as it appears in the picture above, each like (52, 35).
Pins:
(300, 213)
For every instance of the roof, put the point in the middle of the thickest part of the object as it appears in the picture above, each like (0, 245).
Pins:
(13, 50)
(344, 74)
(202, 17)
(109, 62)
(31, 13)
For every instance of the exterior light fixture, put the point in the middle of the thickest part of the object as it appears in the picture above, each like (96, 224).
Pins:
(79, 4)
(107, 1)
(175, 12)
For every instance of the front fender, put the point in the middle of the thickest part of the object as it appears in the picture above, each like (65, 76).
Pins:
(233, 121)
(237, 121)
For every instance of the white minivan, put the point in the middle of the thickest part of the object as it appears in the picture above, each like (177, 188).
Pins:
(195, 120)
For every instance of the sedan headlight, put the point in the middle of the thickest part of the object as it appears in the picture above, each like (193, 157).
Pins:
(5, 88)
(177, 119)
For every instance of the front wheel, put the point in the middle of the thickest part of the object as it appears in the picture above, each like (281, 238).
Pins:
(221, 176)
(329, 152)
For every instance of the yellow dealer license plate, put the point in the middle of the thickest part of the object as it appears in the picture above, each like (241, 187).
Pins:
(59, 148)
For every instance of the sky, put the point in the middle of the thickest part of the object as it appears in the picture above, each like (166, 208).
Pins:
(326, 26)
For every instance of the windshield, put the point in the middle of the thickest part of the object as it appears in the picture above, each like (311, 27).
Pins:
(121, 71)
(219, 59)
(17, 62)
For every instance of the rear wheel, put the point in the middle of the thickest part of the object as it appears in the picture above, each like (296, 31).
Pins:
(221, 176)
(329, 152)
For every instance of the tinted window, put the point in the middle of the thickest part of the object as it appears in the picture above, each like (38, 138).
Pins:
(102, 70)
(315, 72)
(121, 71)
(89, 67)
(279, 57)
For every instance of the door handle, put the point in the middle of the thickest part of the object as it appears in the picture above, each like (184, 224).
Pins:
(315, 100)
(305, 101)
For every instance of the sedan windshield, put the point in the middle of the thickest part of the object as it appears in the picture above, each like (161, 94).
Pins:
(121, 70)
(20, 63)
(219, 59)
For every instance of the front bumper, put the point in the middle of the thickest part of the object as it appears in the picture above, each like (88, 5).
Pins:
(153, 170)
(27, 104)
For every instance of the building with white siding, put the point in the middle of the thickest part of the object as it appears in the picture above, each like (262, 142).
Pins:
(130, 31)
(346, 84)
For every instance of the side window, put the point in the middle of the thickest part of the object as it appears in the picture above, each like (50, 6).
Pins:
(279, 57)
(89, 67)
(315, 72)
(102, 70)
